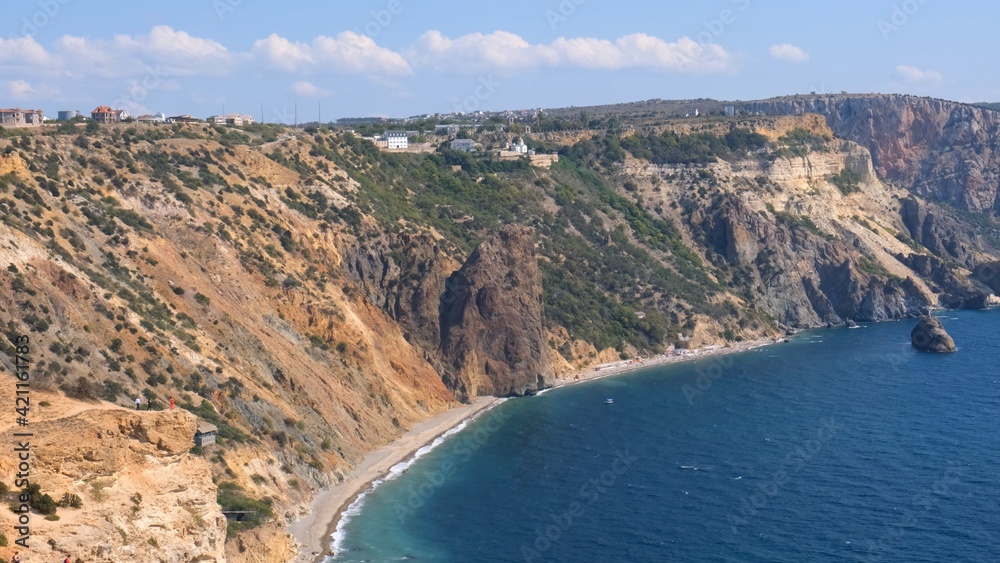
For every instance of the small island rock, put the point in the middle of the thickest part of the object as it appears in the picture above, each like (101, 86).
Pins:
(929, 335)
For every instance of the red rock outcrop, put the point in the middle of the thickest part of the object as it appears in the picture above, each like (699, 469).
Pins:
(492, 322)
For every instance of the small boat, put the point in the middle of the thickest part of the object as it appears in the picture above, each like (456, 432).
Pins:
(609, 401)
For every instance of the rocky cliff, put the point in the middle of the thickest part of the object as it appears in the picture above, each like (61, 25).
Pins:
(138, 485)
(315, 297)
(790, 240)
(492, 323)
(404, 274)
(152, 265)
(941, 150)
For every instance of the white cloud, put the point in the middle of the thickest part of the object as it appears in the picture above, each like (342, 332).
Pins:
(19, 89)
(132, 67)
(165, 42)
(163, 51)
(504, 51)
(348, 52)
(309, 90)
(914, 74)
(788, 53)
(19, 52)
(282, 54)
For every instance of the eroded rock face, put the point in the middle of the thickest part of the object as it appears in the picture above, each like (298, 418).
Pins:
(404, 274)
(955, 292)
(938, 149)
(939, 233)
(12, 162)
(138, 485)
(493, 334)
(989, 274)
(929, 335)
(798, 276)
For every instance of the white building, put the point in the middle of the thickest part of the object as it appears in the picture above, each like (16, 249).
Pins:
(519, 147)
(396, 139)
(155, 118)
(239, 119)
(465, 145)
(450, 129)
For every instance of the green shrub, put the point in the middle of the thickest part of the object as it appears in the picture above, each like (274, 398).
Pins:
(232, 499)
(848, 181)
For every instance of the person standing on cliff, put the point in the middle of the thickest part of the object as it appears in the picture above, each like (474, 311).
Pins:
(171, 403)
(138, 402)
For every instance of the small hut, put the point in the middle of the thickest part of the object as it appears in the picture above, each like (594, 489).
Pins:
(205, 434)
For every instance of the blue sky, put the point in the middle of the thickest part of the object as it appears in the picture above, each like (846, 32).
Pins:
(403, 57)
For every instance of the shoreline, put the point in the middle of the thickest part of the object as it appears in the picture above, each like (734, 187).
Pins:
(314, 531)
(601, 371)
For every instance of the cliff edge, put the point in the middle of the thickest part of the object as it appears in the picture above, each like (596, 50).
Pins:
(142, 496)
(492, 321)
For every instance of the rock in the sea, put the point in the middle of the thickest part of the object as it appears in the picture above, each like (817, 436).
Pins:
(929, 335)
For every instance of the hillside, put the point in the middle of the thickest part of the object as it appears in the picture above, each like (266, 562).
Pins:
(314, 297)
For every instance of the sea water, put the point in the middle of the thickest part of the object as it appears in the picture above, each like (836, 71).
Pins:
(843, 444)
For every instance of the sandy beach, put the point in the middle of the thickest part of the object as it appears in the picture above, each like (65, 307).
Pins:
(626, 366)
(313, 532)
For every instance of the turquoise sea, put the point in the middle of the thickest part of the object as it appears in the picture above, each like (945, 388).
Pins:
(842, 445)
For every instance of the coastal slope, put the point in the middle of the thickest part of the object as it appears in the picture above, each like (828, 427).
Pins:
(314, 297)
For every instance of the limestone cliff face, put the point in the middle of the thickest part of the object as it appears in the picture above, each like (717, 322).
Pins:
(939, 233)
(137, 481)
(938, 149)
(231, 295)
(800, 277)
(492, 323)
(791, 242)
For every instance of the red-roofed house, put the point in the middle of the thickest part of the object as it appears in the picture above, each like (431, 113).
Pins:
(18, 117)
(105, 114)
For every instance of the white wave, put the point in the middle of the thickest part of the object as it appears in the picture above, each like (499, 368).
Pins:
(337, 538)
